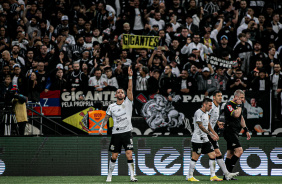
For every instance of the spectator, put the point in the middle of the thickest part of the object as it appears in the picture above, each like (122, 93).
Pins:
(224, 48)
(41, 74)
(111, 83)
(15, 55)
(262, 82)
(57, 82)
(136, 18)
(276, 25)
(32, 25)
(276, 87)
(156, 20)
(5, 86)
(78, 48)
(19, 80)
(4, 39)
(243, 51)
(244, 25)
(239, 81)
(269, 61)
(175, 69)
(255, 72)
(29, 59)
(142, 79)
(157, 62)
(201, 48)
(221, 77)
(96, 36)
(205, 82)
(184, 38)
(34, 88)
(168, 83)
(243, 10)
(257, 54)
(77, 80)
(6, 57)
(4, 72)
(63, 26)
(186, 84)
(153, 82)
(178, 9)
(208, 41)
(124, 59)
(192, 28)
(97, 81)
(251, 13)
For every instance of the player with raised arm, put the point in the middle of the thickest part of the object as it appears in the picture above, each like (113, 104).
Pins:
(201, 143)
(214, 115)
(234, 122)
(121, 112)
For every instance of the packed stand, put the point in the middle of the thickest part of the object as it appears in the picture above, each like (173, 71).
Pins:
(77, 46)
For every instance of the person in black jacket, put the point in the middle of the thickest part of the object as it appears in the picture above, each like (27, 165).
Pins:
(153, 82)
(5, 86)
(58, 82)
(20, 80)
(276, 86)
(261, 83)
(186, 84)
(34, 88)
(78, 81)
(168, 83)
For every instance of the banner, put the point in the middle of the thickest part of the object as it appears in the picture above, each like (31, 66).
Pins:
(166, 117)
(73, 110)
(139, 41)
(156, 115)
(50, 103)
(89, 156)
(215, 61)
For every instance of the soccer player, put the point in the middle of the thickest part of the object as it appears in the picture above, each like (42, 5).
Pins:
(214, 115)
(234, 121)
(121, 112)
(201, 143)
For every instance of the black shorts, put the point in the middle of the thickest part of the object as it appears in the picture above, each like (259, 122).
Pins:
(119, 140)
(214, 143)
(203, 148)
(232, 140)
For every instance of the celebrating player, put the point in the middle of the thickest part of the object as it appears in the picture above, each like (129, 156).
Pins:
(234, 121)
(214, 115)
(201, 143)
(121, 112)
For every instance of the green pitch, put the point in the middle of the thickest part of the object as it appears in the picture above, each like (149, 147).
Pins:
(124, 179)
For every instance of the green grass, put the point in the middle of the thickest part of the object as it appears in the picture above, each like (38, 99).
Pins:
(124, 179)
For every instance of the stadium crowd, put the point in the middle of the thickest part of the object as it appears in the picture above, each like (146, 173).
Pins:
(76, 45)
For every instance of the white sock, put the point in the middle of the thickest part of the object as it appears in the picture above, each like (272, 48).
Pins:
(131, 169)
(212, 167)
(222, 165)
(111, 167)
(191, 168)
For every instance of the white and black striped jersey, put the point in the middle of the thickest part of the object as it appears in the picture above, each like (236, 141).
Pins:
(121, 115)
(214, 115)
(198, 135)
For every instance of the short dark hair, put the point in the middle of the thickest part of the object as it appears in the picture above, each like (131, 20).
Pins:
(215, 92)
(206, 100)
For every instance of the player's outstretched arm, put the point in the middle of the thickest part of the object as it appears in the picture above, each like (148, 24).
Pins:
(103, 124)
(129, 89)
